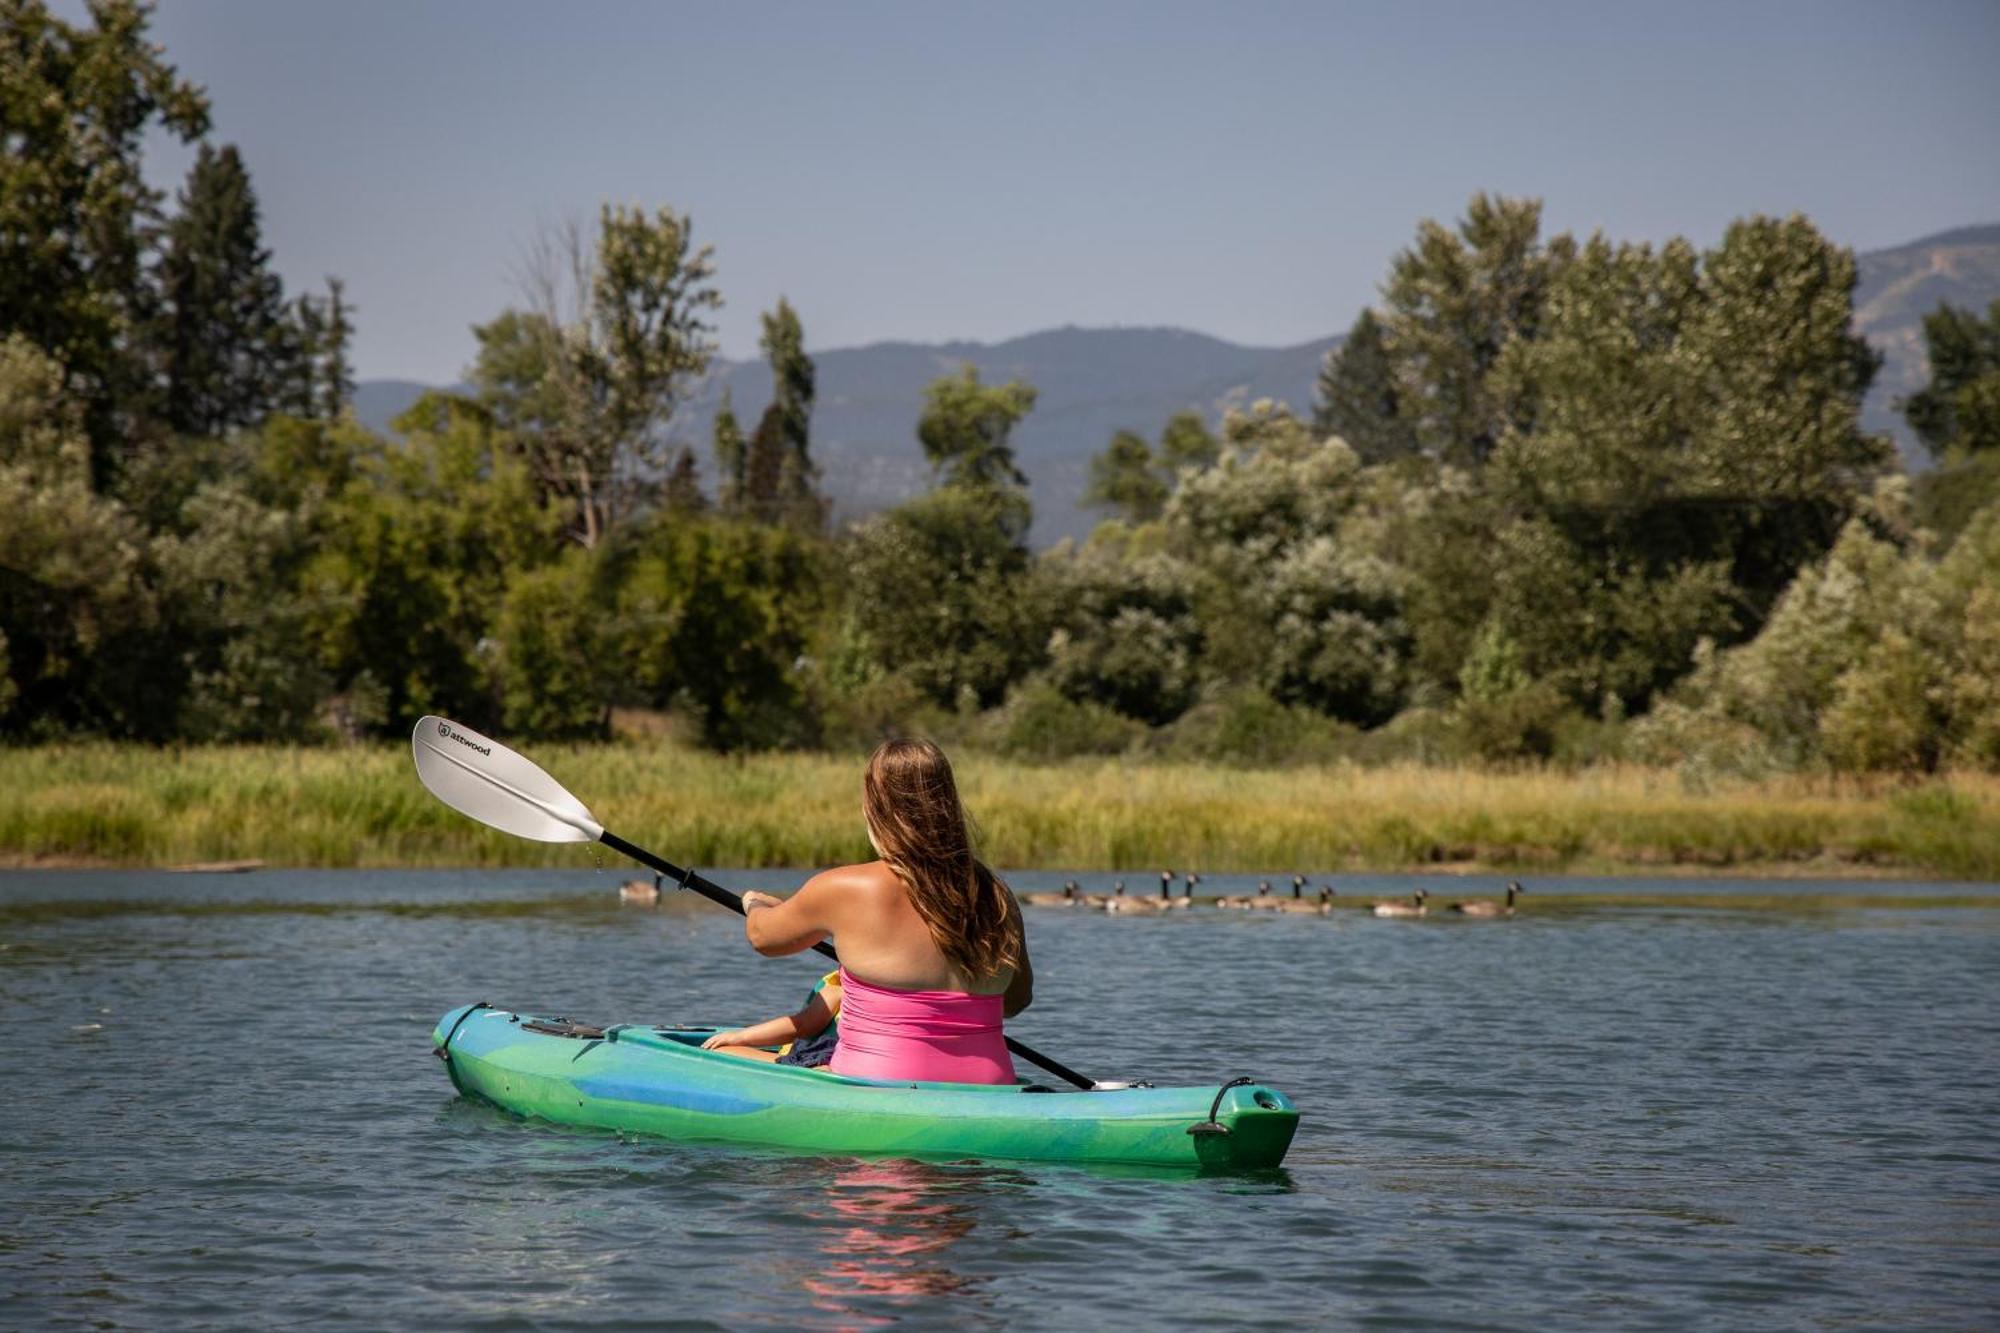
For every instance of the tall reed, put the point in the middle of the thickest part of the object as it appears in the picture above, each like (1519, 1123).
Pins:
(363, 807)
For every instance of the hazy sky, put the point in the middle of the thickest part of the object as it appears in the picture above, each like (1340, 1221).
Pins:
(927, 171)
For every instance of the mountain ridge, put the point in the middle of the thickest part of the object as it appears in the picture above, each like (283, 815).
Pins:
(1092, 381)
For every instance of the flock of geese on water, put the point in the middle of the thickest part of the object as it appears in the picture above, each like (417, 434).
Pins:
(1117, 901)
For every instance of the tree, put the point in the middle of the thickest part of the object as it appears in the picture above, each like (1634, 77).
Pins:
(1289, 597)
(1455, 302)
(219, 333)
(1185, 443)
(415, 559)
(764, 466)
(1124, 478)
(73, 592)
(682, 494)
(714, 618)
(792, 386)
(587, 375)
(941, 595)
(1692, 442)
(1357, 397)
(75, 106)
(965, 428)
(727, 447)
(1958, 412)
(333, 377)
(1127, 635)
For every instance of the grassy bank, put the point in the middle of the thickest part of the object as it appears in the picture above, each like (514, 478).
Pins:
(363, 807)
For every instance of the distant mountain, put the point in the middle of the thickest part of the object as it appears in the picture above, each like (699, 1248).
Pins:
(1092, 382)
(1897, 288)
(1089, 383)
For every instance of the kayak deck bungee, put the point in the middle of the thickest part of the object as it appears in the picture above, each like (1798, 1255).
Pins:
(658, 1081)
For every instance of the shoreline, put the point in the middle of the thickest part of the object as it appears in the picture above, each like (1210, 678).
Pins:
(101, 806)
(1776, 872)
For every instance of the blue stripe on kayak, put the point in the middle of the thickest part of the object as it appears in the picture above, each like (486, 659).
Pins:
(662, 1094)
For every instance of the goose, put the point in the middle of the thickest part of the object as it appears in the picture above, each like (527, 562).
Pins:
(1487, 907)
(1298, 886)
(1118, 902)
(640, 892)
(1321, 906)
(1265, 902)
(1067, 898)
(1090, 901)
(1169, 903)
(1415, 907)
(1241, 903)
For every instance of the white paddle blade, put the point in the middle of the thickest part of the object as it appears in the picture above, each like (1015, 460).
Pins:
(478, 776)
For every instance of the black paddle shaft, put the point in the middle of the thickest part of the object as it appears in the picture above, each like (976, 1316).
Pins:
(722, 897)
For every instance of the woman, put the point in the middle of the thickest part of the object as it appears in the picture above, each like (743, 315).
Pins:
(932, 953)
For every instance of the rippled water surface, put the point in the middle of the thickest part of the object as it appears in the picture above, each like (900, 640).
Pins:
(220, 1109)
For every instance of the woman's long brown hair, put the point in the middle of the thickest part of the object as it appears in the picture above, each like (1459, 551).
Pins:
(919, 827)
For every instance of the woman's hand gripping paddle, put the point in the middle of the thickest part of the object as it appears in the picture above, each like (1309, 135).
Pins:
(483, 779)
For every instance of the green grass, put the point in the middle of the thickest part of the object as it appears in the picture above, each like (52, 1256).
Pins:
(103, 804)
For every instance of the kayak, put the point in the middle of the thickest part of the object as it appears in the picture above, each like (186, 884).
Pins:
(658, 1081)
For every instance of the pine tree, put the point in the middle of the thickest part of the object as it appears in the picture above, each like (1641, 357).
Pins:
(1357, 398)
(726, 444)
(682, 493)
(335, 372)
(1185, 442)
(793, 383)
(1123, 478)
(219, 331)
(764, 466)
(76, 214)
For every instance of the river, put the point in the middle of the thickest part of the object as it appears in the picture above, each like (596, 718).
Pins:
(221, 1110)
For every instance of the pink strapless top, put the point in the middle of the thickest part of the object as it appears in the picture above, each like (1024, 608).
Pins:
(938, 1036)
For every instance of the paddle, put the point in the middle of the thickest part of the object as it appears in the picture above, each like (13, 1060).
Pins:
(483, 779)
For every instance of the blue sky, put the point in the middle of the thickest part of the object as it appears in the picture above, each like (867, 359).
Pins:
(927, 171)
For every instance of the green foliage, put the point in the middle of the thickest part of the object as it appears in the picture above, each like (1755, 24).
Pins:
(965, 428)
(1185, 443)
(583, 382)
(415, 557)
(794, 489)
(1040, 721)
(72, 596)
(220, 331)
(1958, 412)
(731, 458)
(941, 594)
(1456, 302)
(76, 104)
(553, 661)
(1290, 595)
(1358, 398)
(715, 616)
(1876, 658)
(1122, 478)
(1127, 636)
(1248, 728)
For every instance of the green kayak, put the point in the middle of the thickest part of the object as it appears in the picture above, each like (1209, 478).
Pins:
(654, 1080)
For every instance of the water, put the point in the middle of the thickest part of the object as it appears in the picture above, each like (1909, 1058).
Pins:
(220, 1109)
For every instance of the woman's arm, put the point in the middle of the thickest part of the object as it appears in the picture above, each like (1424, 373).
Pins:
(1021, 990)
(778, 926)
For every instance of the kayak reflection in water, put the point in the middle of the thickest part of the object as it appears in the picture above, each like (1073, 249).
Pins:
(932, 949)
(889, 1226)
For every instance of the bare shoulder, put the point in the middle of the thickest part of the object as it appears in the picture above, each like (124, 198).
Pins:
(866, 882)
